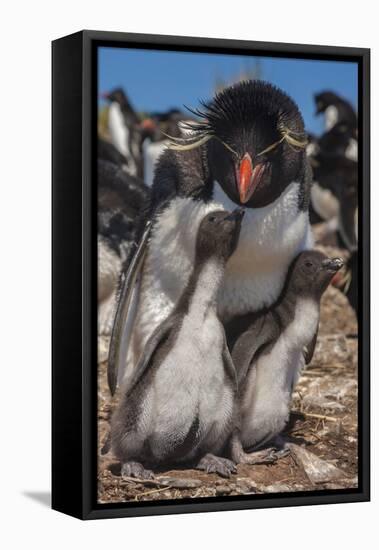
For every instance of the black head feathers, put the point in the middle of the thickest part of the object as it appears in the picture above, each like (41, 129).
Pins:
(247, 101)
(255, 142)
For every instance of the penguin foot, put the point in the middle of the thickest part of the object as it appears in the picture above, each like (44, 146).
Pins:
(135, 469)
(216, 464)
(265, 456)
(282, 453)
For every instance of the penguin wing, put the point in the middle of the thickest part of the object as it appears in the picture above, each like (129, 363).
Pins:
(310, 348)
(259, 335)
(117, 352)
(229, 365)
(158, 337)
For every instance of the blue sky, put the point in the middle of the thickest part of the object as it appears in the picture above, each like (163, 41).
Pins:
(157, 80)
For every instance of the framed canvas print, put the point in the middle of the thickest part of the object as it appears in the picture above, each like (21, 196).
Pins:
(210, 275)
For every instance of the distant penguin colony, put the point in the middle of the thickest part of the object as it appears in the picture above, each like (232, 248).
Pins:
(216, 311)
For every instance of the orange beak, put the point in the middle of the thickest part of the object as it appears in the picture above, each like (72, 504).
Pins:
(248, 178)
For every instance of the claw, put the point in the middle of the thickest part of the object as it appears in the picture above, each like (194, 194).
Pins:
(135, 469)
(283, 453)
(218, 465)
(266, 456)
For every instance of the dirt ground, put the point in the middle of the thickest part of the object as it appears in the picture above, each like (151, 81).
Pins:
(322, 430)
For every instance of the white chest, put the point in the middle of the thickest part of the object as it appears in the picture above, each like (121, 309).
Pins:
(352, 150)
(267, 394)
(120, 135)
(269, 240)
(331, 117)
(191, 383)
(196, 360)
(118, 131)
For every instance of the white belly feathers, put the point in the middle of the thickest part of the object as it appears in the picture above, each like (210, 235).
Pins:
(269, 240)
(266, 400)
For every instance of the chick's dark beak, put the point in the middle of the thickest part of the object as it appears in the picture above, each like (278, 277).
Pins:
(248, 177)
(236, 215)
(333, 265)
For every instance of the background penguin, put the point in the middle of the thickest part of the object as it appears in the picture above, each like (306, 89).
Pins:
(157, 127)
(335, 108)
(123, 124)
(179, 405)
(139, 142)
(334, 192)
(248, 148)
(121, 198)
(340, 141)
(348, 282)
(267, 350)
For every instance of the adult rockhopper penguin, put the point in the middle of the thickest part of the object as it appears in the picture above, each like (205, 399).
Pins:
(247, 149)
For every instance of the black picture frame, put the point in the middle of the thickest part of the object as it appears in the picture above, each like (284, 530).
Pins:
(74, 434)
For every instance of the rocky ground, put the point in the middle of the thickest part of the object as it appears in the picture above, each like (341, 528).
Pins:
(322, 431)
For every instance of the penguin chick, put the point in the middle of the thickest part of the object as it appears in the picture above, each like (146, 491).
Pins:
(270, 349)
(179, 404)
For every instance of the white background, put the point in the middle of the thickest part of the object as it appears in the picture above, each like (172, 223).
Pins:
(27, 29)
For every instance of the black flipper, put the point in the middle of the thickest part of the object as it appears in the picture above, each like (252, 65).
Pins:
(310, 348)
(248, 344)
(158, 337)
(135, 266)
(229, 365)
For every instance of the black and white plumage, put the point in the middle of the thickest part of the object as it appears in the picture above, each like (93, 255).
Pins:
(341, 140)
(123, 127)
(140, 142)
(251, 152)
(155, 140)
(268, 347)
(335, 109)
(348, 282)
(179, 404)
(121, 198)
(335, 196)
(334, 156)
